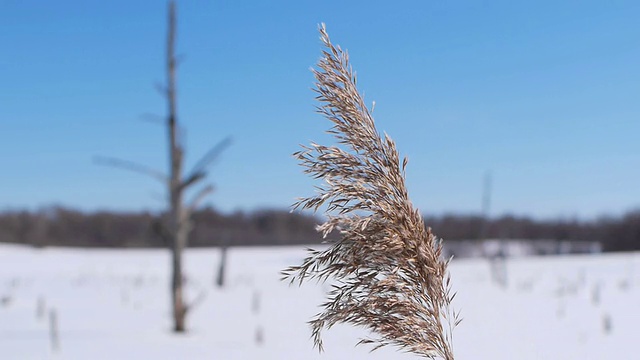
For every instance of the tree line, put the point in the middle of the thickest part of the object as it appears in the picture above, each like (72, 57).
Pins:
(59, 226)
(620, 233)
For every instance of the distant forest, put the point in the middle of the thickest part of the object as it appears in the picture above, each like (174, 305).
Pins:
(59, 226)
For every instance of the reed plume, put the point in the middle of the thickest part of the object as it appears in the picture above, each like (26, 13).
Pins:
(386, 268)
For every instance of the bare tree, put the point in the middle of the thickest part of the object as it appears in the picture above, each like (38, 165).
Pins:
(178, 225)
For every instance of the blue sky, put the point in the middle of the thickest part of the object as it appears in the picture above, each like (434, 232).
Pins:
(543, 94)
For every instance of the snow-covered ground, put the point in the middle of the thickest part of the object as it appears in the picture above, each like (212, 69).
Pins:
(114, 304)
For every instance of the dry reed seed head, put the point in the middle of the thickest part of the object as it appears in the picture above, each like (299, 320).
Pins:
(387, 267)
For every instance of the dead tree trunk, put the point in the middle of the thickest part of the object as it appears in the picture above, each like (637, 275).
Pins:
(176, 231)
(179, 213)
(178, 223)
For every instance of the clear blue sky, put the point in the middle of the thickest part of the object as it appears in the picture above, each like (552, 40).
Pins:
(543, 94)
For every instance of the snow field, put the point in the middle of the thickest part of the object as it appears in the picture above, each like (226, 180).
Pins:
(114, 304)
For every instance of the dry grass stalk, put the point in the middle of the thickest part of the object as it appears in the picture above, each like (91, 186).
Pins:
(387, 268)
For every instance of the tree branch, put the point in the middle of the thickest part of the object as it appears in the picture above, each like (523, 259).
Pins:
(192, 179)
(197, 301)
(199, 170)
(199, 196)
(131, 166)
(153, 118)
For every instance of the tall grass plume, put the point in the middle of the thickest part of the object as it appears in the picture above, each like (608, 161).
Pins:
(386, 268)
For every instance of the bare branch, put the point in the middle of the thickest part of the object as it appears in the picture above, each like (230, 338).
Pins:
(192, 180)
(153, 118)
(131, 166)
(199, 196)
(197, 301)
(199, 170)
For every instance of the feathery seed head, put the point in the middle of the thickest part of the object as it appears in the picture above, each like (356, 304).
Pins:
(387, 267)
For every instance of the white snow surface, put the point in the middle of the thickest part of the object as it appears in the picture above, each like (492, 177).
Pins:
(115, 304)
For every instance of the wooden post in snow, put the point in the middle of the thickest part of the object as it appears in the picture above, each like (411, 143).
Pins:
(54, 335)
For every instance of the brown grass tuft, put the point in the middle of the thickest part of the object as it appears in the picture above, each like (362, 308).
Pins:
(387, 268)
